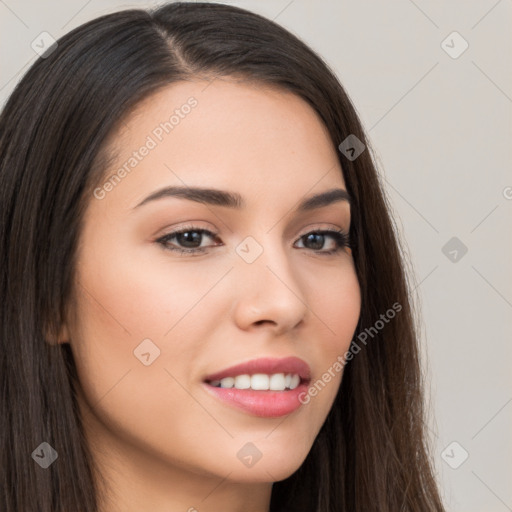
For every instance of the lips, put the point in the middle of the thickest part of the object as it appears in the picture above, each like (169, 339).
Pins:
(265, 365)
(262, 402)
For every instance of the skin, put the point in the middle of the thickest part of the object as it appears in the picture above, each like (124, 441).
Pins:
(160, 440)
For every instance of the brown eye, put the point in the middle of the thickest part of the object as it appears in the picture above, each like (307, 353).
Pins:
(186, 240)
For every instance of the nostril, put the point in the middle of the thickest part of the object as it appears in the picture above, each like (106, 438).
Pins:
(259, 322)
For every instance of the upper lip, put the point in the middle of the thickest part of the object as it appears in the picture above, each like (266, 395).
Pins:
(265, 365)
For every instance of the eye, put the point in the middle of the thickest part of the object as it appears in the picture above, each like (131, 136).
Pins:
(316, 240)
(188, 240)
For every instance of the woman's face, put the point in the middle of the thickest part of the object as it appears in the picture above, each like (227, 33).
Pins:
(153, 323)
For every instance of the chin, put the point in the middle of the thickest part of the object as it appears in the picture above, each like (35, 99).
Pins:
(273, 469)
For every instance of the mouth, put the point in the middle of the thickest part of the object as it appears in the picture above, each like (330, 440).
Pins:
(260, 382)
(263, 387)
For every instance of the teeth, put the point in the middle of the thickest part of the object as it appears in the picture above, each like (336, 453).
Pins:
(227, 382)
(277, 382)
(294, 381)
(259, 382)
(242, 382)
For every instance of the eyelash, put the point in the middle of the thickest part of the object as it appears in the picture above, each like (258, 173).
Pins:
(341, 237)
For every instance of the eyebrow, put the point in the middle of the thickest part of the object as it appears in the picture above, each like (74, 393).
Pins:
(216, 197)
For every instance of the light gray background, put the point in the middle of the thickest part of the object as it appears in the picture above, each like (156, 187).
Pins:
(441, 129)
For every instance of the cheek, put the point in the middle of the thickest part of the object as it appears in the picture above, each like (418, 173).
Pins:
(335, 311)
(335, 301)
(121, 304)
(127, 296)
(137, 295)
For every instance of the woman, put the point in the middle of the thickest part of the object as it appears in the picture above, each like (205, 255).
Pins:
(204, 303)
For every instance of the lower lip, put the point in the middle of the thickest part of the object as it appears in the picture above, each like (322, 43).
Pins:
(266, 404)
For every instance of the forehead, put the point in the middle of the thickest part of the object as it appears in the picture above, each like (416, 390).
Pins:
(258, 140)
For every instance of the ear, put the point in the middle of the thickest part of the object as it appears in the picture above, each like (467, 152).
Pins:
(53, 338)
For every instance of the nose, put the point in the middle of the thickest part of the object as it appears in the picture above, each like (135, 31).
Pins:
(268, 293)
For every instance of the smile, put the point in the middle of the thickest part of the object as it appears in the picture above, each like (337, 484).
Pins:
(267, 387)
(259, 382)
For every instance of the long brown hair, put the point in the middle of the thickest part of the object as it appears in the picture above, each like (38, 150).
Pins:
(371, 453)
